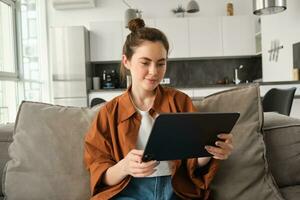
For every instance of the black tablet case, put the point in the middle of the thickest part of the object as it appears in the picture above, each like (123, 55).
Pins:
(176, 136)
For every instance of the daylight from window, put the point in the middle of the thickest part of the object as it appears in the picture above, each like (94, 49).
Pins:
(20, 79)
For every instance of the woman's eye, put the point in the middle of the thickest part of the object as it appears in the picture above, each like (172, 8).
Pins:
(161, 64)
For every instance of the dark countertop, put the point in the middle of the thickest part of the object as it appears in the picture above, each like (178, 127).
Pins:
(279, 82)
(244, 84)
(214, 85)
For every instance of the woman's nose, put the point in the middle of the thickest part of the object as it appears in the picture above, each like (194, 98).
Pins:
(152, 69)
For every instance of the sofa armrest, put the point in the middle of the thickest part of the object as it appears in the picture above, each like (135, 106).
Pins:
(282, 139)
(6, 133)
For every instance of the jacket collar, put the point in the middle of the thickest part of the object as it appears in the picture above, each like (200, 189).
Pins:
(127, 108)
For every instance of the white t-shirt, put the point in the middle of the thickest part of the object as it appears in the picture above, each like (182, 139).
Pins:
(164, 167)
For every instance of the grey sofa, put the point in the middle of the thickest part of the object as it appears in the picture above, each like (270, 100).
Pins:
(6, 132)
(278, 142)
(282, 149)
(42, 172)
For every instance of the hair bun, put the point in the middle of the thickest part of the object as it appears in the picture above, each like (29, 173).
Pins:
(136, 24)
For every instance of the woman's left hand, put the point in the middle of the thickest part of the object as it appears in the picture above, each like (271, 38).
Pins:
(223, 147)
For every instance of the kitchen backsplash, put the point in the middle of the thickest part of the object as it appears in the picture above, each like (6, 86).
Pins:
(197, 73)
(217, 71)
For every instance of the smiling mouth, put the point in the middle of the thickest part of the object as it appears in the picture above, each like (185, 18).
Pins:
(152, 80)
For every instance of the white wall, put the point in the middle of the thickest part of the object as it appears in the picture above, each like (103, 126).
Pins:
(284, 26)
(114, 10)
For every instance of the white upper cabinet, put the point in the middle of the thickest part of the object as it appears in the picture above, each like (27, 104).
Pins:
(188, 37)
(238, 35)
(176, 31)
(106, 40)
(205, 36)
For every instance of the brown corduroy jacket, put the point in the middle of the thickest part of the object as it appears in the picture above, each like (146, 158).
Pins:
(114, 132)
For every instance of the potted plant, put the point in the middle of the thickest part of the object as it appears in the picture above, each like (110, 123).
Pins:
(179, 11)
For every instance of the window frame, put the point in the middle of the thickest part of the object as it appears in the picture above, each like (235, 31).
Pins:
(12, 76)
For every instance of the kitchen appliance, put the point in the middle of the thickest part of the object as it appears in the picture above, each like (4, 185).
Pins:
(69, 59)
(110, 79)
(265, 7)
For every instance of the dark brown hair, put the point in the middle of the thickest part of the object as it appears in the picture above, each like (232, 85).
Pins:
(139, 34)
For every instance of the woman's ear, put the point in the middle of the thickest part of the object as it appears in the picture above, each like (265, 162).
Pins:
(125, 62)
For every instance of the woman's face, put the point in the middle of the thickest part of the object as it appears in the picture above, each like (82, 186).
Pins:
(147, 65)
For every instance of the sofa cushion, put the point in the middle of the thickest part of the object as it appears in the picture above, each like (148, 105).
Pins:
(6, 132)
(291, 192)
(47, 153)
(245, 174)
(282, 138)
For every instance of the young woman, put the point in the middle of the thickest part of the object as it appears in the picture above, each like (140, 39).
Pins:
(114, 144)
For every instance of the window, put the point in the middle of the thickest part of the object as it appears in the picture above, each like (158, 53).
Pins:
(23, 65)
(8, 100)
(8, 62)
(32, 78)
(7, 39)
(30, 57)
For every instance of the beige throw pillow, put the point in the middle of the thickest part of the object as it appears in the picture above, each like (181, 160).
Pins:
(245, 175)
(47, 153)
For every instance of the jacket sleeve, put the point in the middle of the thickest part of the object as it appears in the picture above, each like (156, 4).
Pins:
(202, 177)
(98, 150)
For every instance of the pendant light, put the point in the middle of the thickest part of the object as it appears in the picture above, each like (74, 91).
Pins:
(266, 7)
(130, 14)
(192, 7)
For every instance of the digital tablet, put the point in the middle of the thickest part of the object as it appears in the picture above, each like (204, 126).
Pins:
(176, 136)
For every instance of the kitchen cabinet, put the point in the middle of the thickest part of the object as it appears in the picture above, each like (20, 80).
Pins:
(106, 39)
(188, 37)
(176, 31)
(205, 36)
(238, 35)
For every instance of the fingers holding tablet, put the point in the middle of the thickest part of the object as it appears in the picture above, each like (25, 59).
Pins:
(223, 147)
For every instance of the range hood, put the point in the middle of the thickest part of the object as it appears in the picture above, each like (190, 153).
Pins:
(266, 7)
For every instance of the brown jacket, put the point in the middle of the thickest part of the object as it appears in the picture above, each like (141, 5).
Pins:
(114, 133)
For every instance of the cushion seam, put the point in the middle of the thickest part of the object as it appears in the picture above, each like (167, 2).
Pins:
(283, 126)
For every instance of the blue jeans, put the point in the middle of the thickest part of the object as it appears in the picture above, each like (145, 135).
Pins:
(149, 188)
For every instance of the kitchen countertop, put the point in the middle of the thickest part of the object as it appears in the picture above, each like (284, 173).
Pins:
(215, 85)
(279, 82)
(244, 84)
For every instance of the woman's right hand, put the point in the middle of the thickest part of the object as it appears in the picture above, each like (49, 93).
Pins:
(132, 164)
